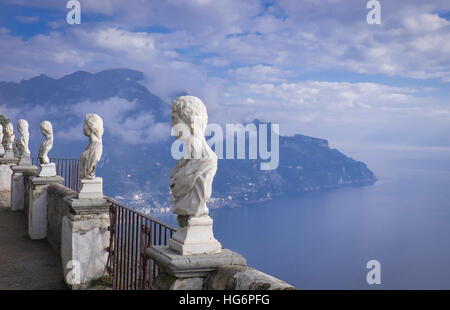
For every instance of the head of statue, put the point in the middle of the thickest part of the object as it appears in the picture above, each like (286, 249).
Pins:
(47, 129)
(93, 124)
(22, 126)
(189, 112)
(9, 128)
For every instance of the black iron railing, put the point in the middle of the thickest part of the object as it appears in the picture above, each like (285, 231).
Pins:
(69, 169)
(131, 232)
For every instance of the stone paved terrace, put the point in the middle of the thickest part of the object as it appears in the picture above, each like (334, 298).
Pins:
(25, 264)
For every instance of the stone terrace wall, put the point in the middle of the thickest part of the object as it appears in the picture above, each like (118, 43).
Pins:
(78, 230)
(26, 176)
(243, 278)
(57, 208)
(5, 183)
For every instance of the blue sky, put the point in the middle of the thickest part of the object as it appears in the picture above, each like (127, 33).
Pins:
(315, 66)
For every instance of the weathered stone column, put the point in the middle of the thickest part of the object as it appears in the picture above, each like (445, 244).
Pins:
(28, 188)
(193, 252)
(84, 241)
(37, 210)
(6, 173)
(37, 187)
(2, 148)
(85, 235)
(18, 191)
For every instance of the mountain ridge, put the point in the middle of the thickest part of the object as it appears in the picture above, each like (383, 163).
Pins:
(138, 171)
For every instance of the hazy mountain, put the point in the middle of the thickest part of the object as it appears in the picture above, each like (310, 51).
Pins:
(138, 171)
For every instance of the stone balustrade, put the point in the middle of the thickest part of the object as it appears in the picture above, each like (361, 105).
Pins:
(77, 224)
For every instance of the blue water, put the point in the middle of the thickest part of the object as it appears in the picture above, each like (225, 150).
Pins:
(324, 240)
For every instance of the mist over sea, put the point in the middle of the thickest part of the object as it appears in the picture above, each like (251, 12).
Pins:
(324, 240)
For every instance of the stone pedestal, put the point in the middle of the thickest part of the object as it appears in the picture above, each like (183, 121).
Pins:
(5, 177)
(195, 236)
(84, 241)
(182, 272)
(25, 161)
(47, 170)
(28, 188)
(11, 161)
(91, 189)
(37, 212)
(9, 154)
(18, 185)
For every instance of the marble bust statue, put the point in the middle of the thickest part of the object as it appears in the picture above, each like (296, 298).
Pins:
(47, 132)
(8, 138)
(93, 128)
(22, 142)
(191, 178)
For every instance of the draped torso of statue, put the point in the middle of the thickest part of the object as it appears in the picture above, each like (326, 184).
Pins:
(93, 128)
(8, 138)
(47, 132)
(22, 142)
(192, 177)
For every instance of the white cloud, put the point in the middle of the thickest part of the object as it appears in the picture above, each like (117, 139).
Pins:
(260, 73)
(229, 51)
(71, 134)
(124, 120)
(339, 111)
(28, 19)
(98, 49)
(288, 36)
(422, 23)
(137, 44)
(216, 62)
(322, 96)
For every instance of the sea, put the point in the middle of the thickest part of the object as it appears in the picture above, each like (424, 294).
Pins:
(325, 239)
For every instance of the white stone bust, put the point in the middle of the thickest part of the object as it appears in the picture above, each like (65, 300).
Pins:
(191, 178)
(22, 142)
(93, 128)
(47, 132)
(8, 138)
